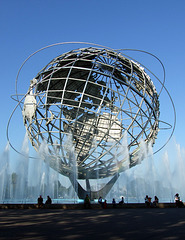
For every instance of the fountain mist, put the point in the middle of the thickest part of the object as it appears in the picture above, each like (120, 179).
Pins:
(25, 179)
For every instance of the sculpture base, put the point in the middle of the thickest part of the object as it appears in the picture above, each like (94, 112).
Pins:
(81, 192)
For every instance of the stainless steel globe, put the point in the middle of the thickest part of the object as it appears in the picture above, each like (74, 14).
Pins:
(83, 103)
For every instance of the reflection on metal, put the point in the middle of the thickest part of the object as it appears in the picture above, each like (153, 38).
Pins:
(29, 108)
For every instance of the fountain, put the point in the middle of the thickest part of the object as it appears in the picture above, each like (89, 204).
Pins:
(4, 174)
(29, 178)
(163, 178)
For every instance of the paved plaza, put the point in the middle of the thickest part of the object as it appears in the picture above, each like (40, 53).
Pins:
(166, 223)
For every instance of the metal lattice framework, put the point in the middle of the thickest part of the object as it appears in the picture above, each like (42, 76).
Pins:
(92, 99)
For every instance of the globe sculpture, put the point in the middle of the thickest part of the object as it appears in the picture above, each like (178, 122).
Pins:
(83, 104)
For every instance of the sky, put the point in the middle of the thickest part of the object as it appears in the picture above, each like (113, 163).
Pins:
(156, 26)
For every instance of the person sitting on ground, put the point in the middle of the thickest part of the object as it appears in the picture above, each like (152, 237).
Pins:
(178, 202)
(40, 201)
(122, 201)
(48, 201)
(87, 203)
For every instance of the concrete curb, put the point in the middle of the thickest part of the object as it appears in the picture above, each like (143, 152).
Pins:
(81, 206)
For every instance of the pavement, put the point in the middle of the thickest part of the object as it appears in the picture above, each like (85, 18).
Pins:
(113, 224)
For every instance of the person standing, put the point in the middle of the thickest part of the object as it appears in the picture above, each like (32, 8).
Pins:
(147, 202)
(113, 203)
(105, 204)
(40, 201)
(87, 203)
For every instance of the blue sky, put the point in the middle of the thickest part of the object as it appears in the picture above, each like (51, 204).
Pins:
(26, 26)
